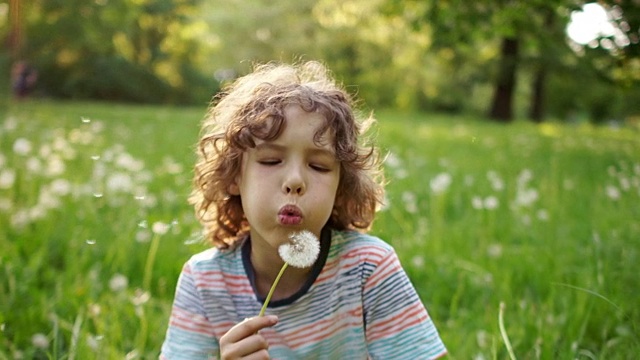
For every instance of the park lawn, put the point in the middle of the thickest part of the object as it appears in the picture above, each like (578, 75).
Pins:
(519, 237)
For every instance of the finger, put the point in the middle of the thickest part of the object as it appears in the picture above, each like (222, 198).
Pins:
(249, 327)
(260, 355)
(253, 344)
(248, 348)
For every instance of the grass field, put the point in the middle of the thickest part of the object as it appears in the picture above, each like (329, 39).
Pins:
(522, 238)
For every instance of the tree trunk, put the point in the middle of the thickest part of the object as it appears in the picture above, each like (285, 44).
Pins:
(502, 105)
(14, 38)
(536, 111)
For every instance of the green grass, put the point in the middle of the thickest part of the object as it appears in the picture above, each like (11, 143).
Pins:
(542, 218)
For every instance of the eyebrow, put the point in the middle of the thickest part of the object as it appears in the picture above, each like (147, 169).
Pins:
(277, 147)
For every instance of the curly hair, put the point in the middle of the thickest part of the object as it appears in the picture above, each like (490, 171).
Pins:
(252, 108)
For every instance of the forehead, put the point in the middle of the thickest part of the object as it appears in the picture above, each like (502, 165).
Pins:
(298, 122)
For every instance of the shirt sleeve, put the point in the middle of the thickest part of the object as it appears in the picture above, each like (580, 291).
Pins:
(190, 334)
(397, 324)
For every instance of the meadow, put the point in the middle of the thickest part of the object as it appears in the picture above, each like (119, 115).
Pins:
(522, 240)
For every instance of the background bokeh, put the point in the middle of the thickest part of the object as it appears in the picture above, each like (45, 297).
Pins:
(510, 129)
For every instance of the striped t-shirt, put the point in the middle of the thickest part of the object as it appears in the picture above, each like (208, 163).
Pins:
(358, 304)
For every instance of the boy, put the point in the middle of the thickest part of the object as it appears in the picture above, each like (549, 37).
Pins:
(281, 152)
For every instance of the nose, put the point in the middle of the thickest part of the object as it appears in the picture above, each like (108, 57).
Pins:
(294, 182)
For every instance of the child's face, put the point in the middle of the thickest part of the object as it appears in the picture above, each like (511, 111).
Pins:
(290, 183)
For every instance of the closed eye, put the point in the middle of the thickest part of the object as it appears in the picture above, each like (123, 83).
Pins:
(269, 162)
(319, 168)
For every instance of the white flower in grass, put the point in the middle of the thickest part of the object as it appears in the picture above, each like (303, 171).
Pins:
(159, 228)
(22, 146)
(543, 215)
(119, 182)
(141, 297)
(20, 218)
(496, 182)
(410, 202)
(7, 178)
(302, 251)
(60, 187)
(491, 203)
(494, 250)
(418, 261)
(93, 342)
(625, 184)
(440, 183)
(526, 197)
(118, 283)
(612, 192)
(128, 162)
(41, 341)
(477, 203)
(143, 236)
(55, 166)
(34, 165)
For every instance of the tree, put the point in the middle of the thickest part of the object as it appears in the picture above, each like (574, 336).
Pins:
(528, 35)
(127, 50)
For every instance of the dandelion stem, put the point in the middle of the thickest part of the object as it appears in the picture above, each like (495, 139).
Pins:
(273, 288)
(503, 332)
(151, 258)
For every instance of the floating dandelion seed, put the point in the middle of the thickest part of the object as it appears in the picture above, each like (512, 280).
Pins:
(301, 252)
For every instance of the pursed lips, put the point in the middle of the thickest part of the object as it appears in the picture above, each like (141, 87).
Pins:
(290, 215)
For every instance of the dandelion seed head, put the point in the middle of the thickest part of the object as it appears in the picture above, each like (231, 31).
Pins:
(40, 341)
(119, 182)
(392, 160)
(7, 178)
(95, 310)
(494, 251)
(491, 203)
(143, 236)
(55, 166)
(118, 283)
(60, 187)
(543, 215)
(141, 297)
(440, 183)
(418, 261)
(612, 192)
(159, 228)
(22, 146)
(476, 202)
(93, 342)
(410, 202)
(301, 251)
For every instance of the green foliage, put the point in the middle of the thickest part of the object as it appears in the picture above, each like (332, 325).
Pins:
(94, 228)
(412, 55)
(140, 51)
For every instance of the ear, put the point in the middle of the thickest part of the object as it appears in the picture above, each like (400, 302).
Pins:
(233, 188)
